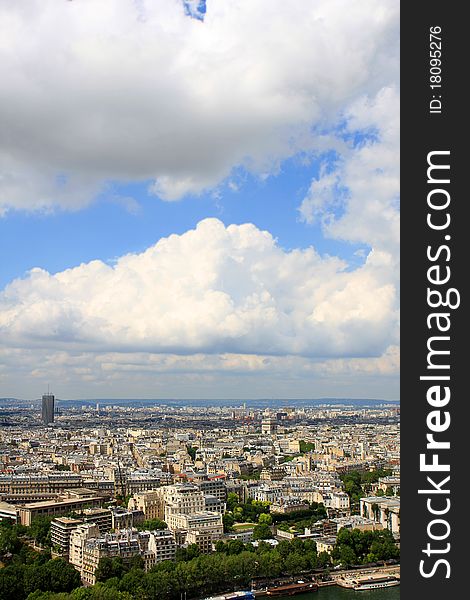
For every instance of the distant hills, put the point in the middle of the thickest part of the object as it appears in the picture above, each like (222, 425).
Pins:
(251, 403)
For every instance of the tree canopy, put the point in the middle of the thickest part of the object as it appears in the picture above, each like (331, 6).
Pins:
(355, 547)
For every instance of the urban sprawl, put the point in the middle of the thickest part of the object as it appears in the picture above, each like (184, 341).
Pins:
(110, 492)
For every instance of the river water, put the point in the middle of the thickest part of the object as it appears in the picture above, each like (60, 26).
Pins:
(337, 593)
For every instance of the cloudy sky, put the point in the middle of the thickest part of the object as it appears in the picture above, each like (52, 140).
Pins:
(199, 199)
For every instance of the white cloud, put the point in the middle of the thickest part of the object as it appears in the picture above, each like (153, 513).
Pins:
(358, 200)
(136, 91)
(123, 90)
(214, 289)
(139, 374)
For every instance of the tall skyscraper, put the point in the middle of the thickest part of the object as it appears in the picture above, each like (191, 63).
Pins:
(48, 408)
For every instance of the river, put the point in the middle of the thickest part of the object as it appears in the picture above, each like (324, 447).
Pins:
(338, 593)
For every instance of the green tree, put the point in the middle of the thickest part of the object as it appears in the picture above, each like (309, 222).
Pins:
(295, 563)
(105, 569)
(360, 547)
(347, 556)
(234, 547)
(53, 576)
(284, 548)
(40, 595)
(373, 476)
(187, 554)
(109, 567)
(159, 583)
(232, 501)
(265, 519)
(152, 525)
(40, 530)
(132, 582)
(352, 485)
(11, 582)
(192, 551)
(192, 452)
(228, 521)
(35, 577)
(61, 575)
(99, 591)
(136, 562)
(263, 547)
(270, 564)
(306, 446)
(262, 532)
(10, 542)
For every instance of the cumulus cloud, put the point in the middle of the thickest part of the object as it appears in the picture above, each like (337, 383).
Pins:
(357, 199)
(119, 90)
(179, 97)
(214, 289)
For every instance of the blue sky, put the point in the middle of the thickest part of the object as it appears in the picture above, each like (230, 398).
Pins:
(193, 206)
(111, 227)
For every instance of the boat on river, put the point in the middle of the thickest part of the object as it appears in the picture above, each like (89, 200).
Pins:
(241, 595)
(292, 589)
(374, 583)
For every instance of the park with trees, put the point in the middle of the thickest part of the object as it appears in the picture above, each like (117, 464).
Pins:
(358, 484)
(25, 570)
(31, 575)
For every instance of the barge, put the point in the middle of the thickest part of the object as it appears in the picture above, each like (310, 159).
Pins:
(292, 589)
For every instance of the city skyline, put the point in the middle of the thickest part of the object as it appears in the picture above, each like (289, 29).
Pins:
(209, 218)
(179, 484)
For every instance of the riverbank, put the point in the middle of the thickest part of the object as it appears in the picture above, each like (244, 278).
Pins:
(333, 592)
(338, 593)
(340, 579)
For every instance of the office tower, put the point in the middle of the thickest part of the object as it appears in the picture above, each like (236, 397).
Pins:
(48, 408)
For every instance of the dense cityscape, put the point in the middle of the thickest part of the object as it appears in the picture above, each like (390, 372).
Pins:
(150, 500)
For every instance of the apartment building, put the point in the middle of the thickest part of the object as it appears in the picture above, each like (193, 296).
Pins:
(8, 511)
(266, 492)
(289, 504)
(151, 503)
(202, 538)
(336, 500)
(325, 544)
(355, 522)
(123, 518)
(198, 520)
(101, 517)
(202, 529)
(30, 487)
(61, 530)
(78, 538)
(125, 544)
(214, 504)
(213, 487)
(182, 499)
(163, 545)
